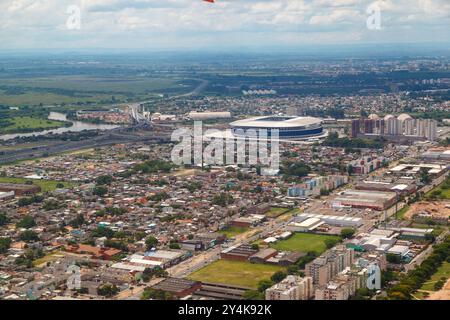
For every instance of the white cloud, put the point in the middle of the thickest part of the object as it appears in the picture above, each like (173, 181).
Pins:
(111, 23)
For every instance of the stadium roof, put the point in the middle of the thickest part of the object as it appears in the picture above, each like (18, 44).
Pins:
(276, 122)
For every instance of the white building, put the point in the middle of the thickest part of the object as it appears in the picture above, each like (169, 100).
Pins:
(291, 288)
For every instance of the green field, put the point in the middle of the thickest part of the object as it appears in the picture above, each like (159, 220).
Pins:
(231, 232)
(88, 89)
(276, 212)
(402, 211)
(237, 273)
(304, 242)
(46, 185)
(442, 272)
(28, 124)
(440, 192)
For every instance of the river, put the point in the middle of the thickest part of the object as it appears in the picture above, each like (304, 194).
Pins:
(75, 127)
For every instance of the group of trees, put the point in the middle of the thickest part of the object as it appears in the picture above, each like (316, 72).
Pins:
(223, 199)
(26, 201)
(294, 169)
(26, 222)
(333, 140)
(155, 294)
(415, 278)
(107, 290)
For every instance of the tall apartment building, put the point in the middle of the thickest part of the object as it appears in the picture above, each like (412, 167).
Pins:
(291, 288)
(329, 264)
(343, 285)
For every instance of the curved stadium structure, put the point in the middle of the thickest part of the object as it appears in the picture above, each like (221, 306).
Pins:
(290, 128)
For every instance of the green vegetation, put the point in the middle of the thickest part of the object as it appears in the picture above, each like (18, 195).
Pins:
(155, 294)
(417, 277)
(223, 199)
(401, 213)
(85, 89)
(46, 185)
(291, 169)
(276, 212)
(100, 191)
(440, 192)
(237, 273)
(151, 242)
(30, 124)
(29, 236)
(347, 233)
(231, 232)
(5, 244)
(3, 219)
(442, 273)
(26, 222)
(107, 290)
(304, 242)
(333, 140)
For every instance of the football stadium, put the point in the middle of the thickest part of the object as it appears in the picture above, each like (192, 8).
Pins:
(289, 128)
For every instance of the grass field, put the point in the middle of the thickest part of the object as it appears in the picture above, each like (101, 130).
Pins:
(48, 258)
(81, 88)
(46, 185)
(304, 242)
(21, 124)
(276, 212)
(442, 272)
(442, 191)
(402, 211)
(237, 273)
(231, 232)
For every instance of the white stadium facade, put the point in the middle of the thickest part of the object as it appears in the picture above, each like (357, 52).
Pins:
(289, 128)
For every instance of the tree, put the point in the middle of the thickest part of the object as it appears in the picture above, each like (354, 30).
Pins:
(253, 295)
(100, 191)
(3, 219)
(347, 233)
(151, 242)
(174, 245)
(156, 294)
(255, 246)
(5, 244)
(29, 236)
(104, 180)
(26, 222)
(393, 258)
(278, 276)
(330, 243)
(107, 290)
(263, 285)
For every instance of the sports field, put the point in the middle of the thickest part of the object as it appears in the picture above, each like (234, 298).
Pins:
(304, 242)
(244, 274)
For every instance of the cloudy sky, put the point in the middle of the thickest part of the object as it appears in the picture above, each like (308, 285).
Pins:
(172, 24)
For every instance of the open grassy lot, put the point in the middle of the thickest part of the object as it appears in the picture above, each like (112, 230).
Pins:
(304, 242)
(28, 124)
(46, 185)
(442, 272)
(442, 191)
(276, 212)
(48, 258)
(402, 211)
(231, 232)
(86, 89)
(237, 273)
